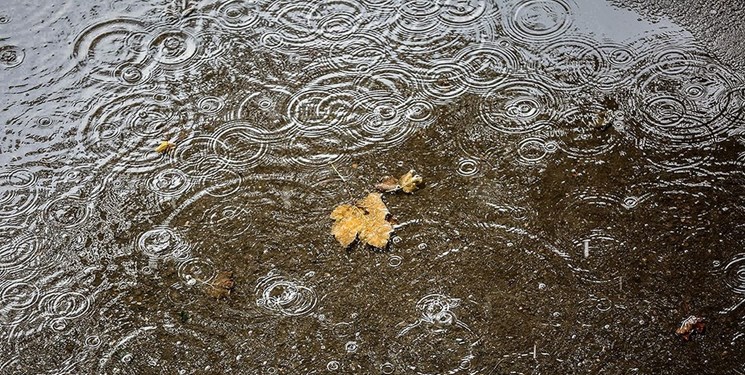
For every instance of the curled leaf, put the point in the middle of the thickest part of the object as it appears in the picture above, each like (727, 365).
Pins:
(367, 221)
(165, 146)
(410, 181)
(222, 285)
(388, 184)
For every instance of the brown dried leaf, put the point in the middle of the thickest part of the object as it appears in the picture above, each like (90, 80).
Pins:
(692, 324)
(410, 181)
(222, 285)
(367, 220)
(388, 184)
(165, 146)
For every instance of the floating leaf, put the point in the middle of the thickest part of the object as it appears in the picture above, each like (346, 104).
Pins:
(692, 324)
(222, 285)
(366, 221)
(165, 146)
(410, 181)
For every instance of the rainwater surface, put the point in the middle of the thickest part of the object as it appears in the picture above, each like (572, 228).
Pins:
(583, 166)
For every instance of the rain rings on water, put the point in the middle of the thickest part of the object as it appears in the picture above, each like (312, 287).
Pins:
(261, 111)
(210, 105)
(169, 183)
(468, 167)
(11, 56)
(538, 20)
(596, 251)
(735, 274)
(126, 354)
(105, 47)
(129, 50)
(67, 212)
(18, 302)
(533, 150)
(197, 271)
(584, 130)
(519, 106)
(18, 253)
(438, 339)
(488, 65)
(284, 297)
(364, 52)
(573, 64)
(682, 97)
(64, 306)
(160, 243)
(122, 131)
(436, 310)
(18, 193)
(269, 103)
(238, 144)
(238, 15)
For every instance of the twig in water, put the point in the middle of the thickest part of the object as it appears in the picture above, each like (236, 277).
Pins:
(346, 186)
(337, 173)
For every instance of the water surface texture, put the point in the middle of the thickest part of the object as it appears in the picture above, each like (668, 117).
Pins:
(584, 170)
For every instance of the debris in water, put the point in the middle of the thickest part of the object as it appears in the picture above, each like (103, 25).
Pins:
(605, 120)
(408, 183)
(222, 285)
(165, 146)
(691, 325)
(388, 184)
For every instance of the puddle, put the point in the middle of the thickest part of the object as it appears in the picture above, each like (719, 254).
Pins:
(583, 166)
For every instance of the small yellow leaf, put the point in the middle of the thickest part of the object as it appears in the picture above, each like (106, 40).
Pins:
(410, 181)
(165, 146)
(367, 220)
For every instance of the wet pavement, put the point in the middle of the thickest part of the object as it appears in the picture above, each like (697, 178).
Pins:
(584, 183)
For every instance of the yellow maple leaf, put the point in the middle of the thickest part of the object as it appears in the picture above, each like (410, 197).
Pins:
(349, 220)
(367, 220)
(410, 181)
(165, 146)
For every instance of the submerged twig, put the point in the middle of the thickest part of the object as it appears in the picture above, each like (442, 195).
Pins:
(337, 173)
(346, 185)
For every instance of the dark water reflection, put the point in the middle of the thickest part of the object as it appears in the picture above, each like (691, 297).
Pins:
(584, 195)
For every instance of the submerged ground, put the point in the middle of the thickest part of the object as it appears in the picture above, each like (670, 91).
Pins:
(584, 168)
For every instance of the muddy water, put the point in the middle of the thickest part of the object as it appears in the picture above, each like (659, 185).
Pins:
(584, 168)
